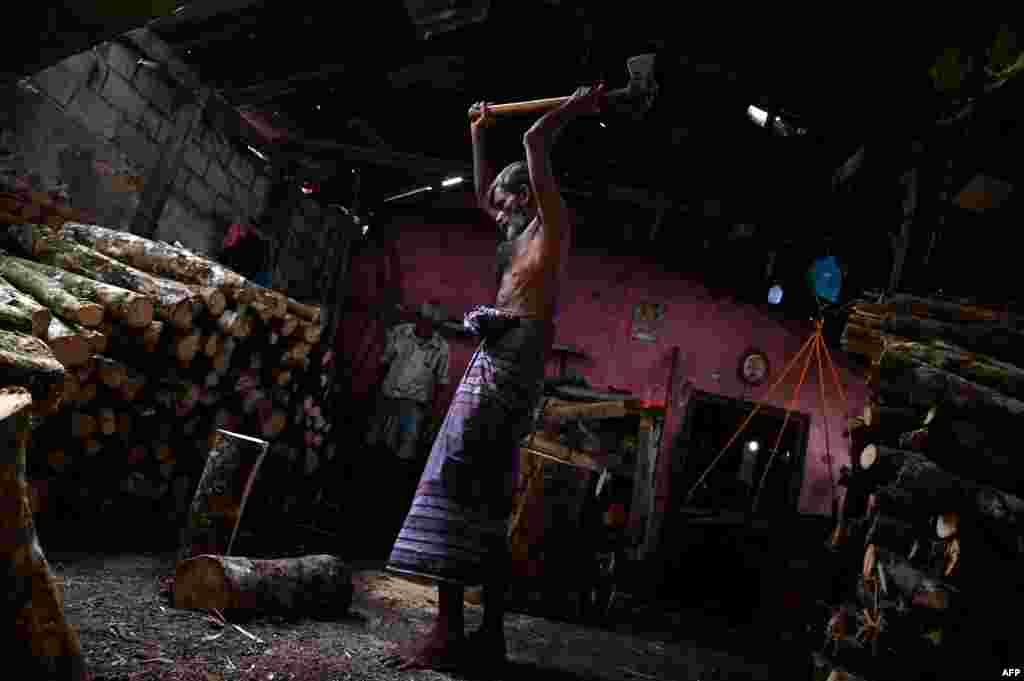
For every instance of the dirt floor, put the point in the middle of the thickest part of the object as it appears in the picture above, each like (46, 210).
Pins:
(121, 606)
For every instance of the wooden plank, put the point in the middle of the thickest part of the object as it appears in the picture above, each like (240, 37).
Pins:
(543, 446)
(590, 410)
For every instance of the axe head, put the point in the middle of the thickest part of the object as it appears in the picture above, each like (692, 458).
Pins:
(638, 96)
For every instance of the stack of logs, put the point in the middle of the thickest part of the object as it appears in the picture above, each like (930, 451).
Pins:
(932, 524)
(136, 351)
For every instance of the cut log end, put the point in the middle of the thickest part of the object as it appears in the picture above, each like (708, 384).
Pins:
(870, 414)
(90, 314)
(947, 525)
(870, 560)
(137, 312)
(71, 351)
(40, 323)
(214, 299)
(181, 316)
(13, 400)
(869, 456)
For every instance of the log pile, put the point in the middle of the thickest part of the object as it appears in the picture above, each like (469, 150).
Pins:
(932, 524)
(136, 351)
(40, 641)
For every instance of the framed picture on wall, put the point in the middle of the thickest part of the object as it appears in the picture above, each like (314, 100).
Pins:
(647, 321)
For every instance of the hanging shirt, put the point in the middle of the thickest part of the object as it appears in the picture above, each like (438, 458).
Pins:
(417, 364)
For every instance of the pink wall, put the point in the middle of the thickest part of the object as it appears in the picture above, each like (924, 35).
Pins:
(455, 265)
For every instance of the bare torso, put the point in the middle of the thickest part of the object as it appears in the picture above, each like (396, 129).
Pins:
(529, 283)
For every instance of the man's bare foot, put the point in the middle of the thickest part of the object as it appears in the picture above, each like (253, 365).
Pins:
(487, 647)
(440, 651)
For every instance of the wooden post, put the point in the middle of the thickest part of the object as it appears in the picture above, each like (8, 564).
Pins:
(42, 644)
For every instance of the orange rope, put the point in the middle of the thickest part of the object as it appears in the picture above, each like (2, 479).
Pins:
(792, 401)
(750, 417)
(824, 410)
(817, 342)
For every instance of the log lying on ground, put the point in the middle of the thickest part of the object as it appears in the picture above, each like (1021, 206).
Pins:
(22, 313)
(134, 309)
(69, 347)
(41, 643)
(50, 293)
(173, 301)
(320, 584)
(1005, 378)
(27, 361)
(993, 340)
(218, 502)
(917, 482)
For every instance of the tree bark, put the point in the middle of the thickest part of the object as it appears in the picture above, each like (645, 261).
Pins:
(993, 340)
(27, 361)
(1004, 378)
(926, 386)
(892, 419)
(940, 309)
(892, 533)
(310, 333)
(320, 585)
(289, 323)
(70, 348)
(310, 313)
(213, 298)
(918, 587)
(168, 261)
(49, 292)
(914, 481)
(217, 504)
(22, 313)
(134, 309)
(42, 644)
(173, 302)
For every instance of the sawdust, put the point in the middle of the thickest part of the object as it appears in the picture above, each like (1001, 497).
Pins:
(405, 591)
(130, 631)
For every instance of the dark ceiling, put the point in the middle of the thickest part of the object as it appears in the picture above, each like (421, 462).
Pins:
(367, 78)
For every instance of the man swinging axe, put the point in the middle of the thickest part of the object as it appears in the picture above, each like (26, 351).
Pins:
(456, 530)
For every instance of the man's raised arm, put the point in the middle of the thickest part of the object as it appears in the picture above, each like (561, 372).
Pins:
(538, 141)
(483, 171)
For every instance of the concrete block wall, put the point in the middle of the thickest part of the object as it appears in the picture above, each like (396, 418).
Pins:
(113, 116)
(303, 252)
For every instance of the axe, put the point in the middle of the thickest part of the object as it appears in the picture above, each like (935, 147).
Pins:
(639, 93)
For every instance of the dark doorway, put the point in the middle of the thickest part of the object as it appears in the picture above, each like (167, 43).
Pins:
(738, 478)
(716, 538)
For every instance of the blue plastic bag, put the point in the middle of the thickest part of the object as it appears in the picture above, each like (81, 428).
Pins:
(826, 278)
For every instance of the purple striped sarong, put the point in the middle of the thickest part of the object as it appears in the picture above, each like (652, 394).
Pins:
(460, 512)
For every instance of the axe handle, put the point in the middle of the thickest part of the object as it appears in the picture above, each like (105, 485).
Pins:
(536, 105)
(531, 106)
